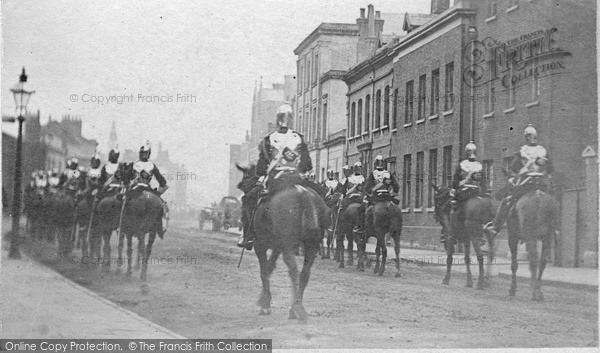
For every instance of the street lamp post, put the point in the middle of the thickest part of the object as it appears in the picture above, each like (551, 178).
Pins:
(21, 96)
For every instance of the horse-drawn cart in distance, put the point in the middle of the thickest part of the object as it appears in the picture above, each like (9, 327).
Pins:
(231, 209)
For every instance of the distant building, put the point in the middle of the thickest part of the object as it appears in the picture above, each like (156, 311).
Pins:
(63, 140)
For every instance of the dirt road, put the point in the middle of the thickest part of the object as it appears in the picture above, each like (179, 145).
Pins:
(197, 291)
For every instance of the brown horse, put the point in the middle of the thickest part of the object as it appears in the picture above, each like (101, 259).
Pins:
(533, 219)
(293, 216)
(478, 211)
(350, 219)
(333, 202)
(387, 219)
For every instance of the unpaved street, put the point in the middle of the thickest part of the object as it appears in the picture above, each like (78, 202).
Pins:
(197, 291)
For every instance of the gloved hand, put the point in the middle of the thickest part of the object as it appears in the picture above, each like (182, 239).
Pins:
(452, 192)
(541, 161)
(388, 181)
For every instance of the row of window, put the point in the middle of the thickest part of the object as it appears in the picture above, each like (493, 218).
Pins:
(314, 130)
(360, 124)
(423, 110)
(419, 172)
(308, 71)
(493, 6)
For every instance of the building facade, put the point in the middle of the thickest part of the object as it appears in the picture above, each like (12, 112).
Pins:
(431, 112)
(541, 70)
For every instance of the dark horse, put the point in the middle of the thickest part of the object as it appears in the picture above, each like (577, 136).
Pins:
(477, 212)
(62, 206)
(387, 219)
(349, 219)
(142, 215)
(292, 216)
(533, 219)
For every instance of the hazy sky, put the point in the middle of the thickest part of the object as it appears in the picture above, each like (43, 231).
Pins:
(78, 51)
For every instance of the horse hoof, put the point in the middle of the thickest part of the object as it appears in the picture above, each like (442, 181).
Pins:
(398, 275)
(350, 262)
(341, 265)
(512, 293)
(538, 297)
(380, 273)
(469, 285)
(480, 286)
(145, 289)
(298, 312)
(446, 281)
(264, 311)
(326, 257)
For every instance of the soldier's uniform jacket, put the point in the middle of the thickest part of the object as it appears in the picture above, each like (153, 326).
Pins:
(283, 152)
(469, 174)
(144, 171)
(94, 174)
(108, 171)
(527, 161)
(357, 182)
(332, 186)
(41, 182)
(74, 179)
(376, 183)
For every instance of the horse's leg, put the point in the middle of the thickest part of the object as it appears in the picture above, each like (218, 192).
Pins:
(449, 252)
(467, 245)
(129, 254)
(120, 251)
(106, 258)
(491, 254)
(360, 251)
(513, 243)
(350, 239)
(532, 255)
(396, 238)
(290, 261)
(146, 254)
(340, 248)
(309, 258)
(381, 242)
(479, 253)
(546, 247)
(140, 251)
(377, 257)
(267, 265)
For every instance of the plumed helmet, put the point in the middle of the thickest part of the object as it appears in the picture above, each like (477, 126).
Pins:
(95, 161)
(530, 134)
(145, 151)
(284, 114)
(379, 161)
(113, 155)
(73, 163)
(470, 150)
(330, 173)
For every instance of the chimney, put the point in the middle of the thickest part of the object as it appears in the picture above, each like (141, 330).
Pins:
(362, 13)
(371, 19)
(377, 15)
(439, 6)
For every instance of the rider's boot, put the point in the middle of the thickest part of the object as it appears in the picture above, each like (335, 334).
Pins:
(494, 226)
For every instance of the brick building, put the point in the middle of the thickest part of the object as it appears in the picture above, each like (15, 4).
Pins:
(538, 66)
(431, 117)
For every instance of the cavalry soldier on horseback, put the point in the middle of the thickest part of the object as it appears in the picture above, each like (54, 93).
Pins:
(93, 174)
(109, 179)
(531, 166)
(144, 170)
(381, 186)
(342, 186)
(53, 180)
(283, 158)
(71, 179)
(469, 181)
(331, 184)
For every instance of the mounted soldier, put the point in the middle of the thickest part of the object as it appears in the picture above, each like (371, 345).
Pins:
(468, 181)
(283, 157)
(53, 180)
(93, 174)
(110, 180)
(381, 186)
(354, 186)
(72, 179)
(532, 167)
(144, 170)
(331, 184)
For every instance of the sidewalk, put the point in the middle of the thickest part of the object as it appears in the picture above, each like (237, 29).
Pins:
(37, 302)
(561, 276)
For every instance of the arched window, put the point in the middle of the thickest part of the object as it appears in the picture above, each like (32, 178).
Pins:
(367, 112)
(378, 109)
(386, 107)
(359, 117)
(353, 120)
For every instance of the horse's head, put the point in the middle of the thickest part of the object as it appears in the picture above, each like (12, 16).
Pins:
(249, 177)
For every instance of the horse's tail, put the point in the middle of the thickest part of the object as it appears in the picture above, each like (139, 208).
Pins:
(314, 218)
